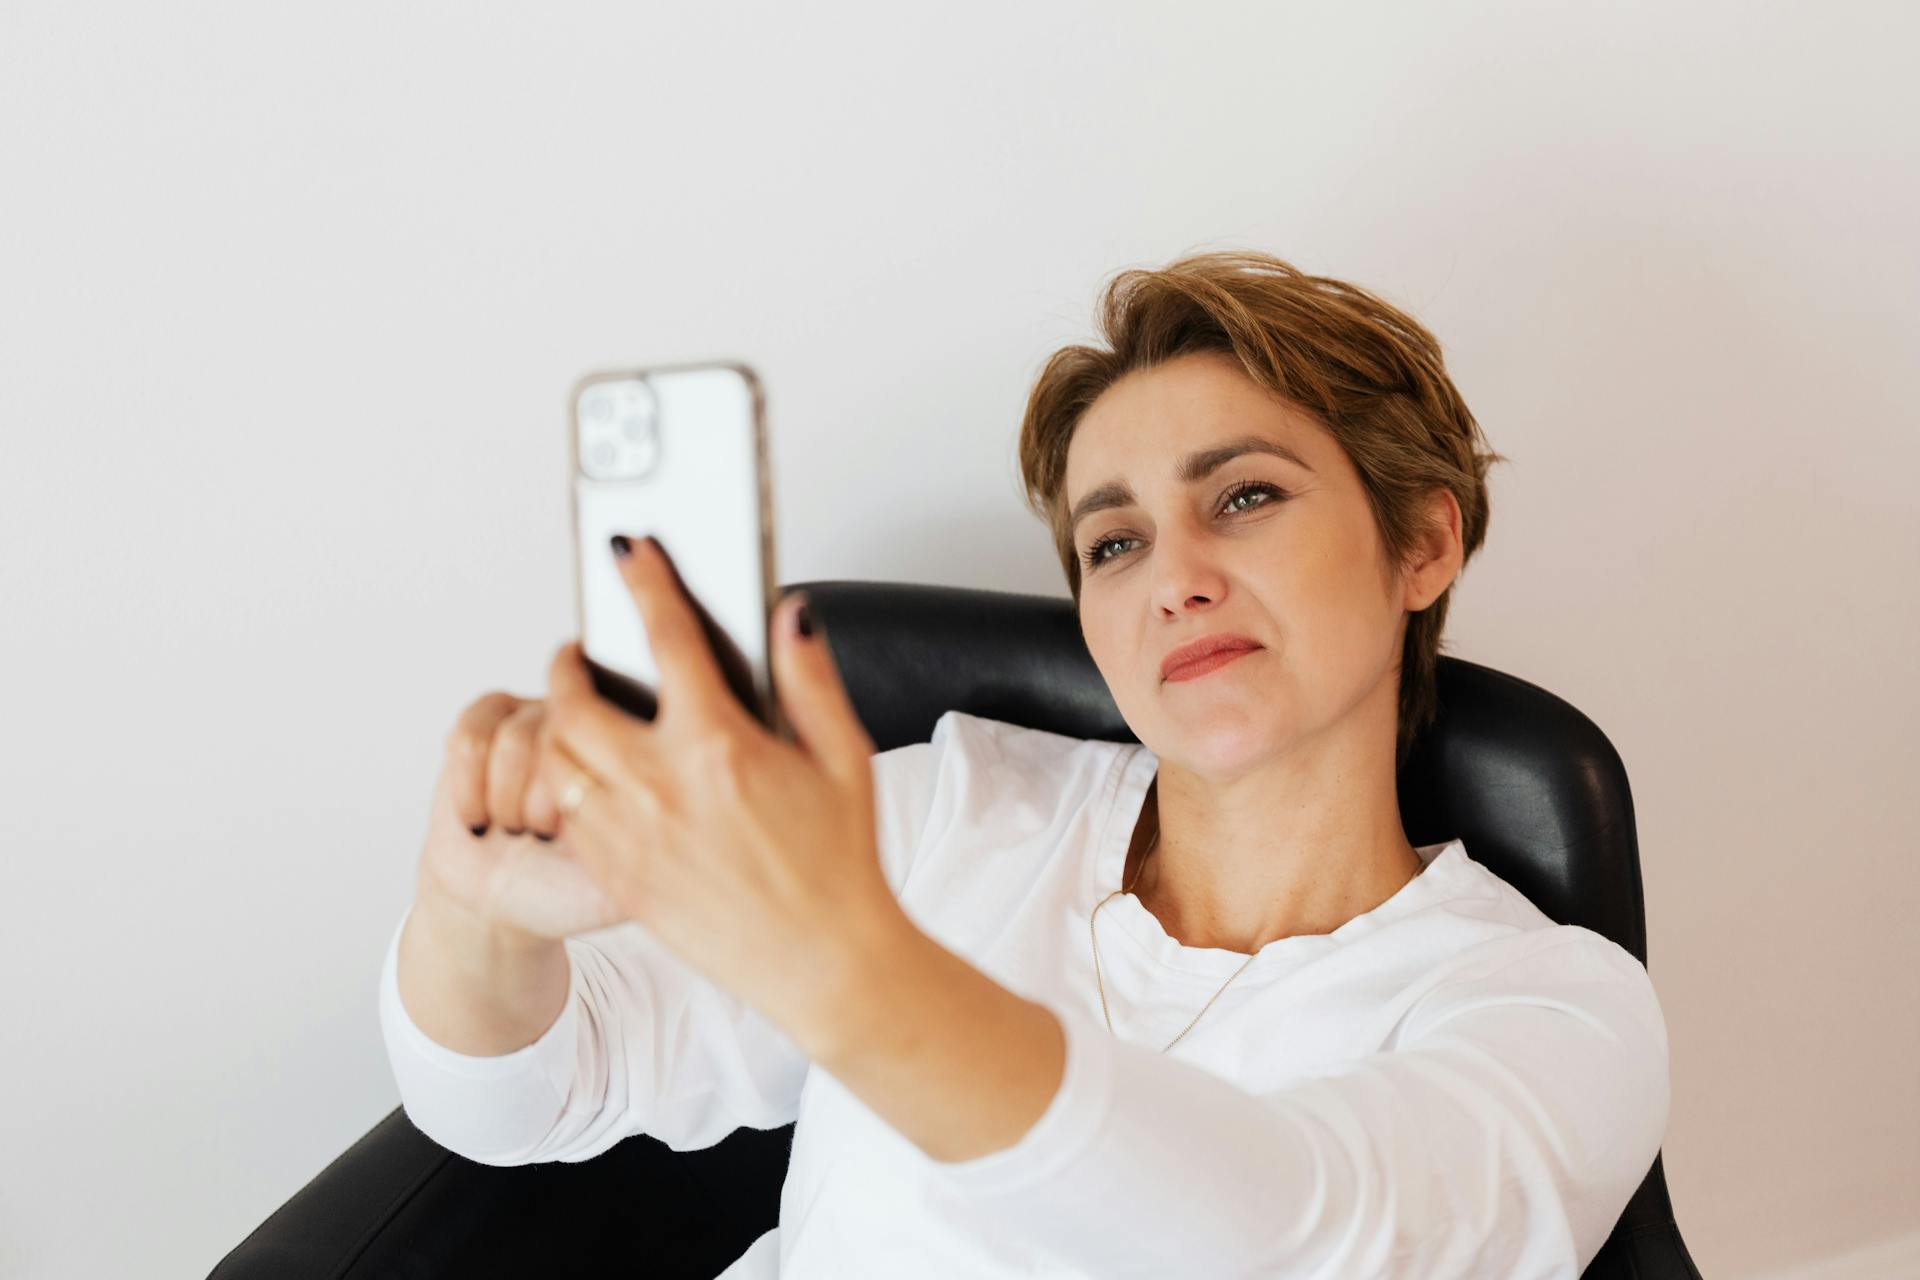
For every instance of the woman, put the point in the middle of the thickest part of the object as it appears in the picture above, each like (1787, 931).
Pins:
(1187, 1007)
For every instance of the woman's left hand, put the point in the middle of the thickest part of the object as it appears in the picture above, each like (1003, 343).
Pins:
(754, 859)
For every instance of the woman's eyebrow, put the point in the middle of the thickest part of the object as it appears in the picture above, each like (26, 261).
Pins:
(1194, 467)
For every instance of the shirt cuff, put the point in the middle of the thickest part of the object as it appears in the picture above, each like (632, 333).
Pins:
(552, 1057)
(1064, 1131)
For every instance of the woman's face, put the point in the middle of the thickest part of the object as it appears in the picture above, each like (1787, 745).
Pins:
(1280, 550)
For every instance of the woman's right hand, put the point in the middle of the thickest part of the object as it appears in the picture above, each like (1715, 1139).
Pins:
(519, 875)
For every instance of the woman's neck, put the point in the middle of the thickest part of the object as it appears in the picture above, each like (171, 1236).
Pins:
(1241, 903)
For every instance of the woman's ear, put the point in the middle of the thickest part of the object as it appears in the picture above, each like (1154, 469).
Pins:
(1438, 554)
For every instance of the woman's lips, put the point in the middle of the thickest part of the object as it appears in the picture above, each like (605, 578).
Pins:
(1200, 666)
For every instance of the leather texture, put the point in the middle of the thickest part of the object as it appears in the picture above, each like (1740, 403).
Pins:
(1533, 787)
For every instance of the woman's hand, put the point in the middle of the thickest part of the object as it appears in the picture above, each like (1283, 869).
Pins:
(514, 875)
(755, 859)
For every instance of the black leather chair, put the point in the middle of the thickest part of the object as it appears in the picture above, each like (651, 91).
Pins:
(1532, 785)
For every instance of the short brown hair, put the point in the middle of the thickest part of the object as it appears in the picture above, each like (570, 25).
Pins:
(1367, 371)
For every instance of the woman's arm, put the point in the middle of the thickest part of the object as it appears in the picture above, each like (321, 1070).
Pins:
(641, 1044)
(476, 987)
(957, 1063)
(1502, 1136)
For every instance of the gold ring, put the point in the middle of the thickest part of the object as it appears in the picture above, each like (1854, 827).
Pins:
(573, 795)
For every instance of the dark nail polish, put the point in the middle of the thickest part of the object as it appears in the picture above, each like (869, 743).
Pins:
(541, 835)
(621, 546)
(516, 831)
(479, 830)
(803, 620)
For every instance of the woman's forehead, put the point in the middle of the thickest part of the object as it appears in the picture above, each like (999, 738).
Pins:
(1165, 418)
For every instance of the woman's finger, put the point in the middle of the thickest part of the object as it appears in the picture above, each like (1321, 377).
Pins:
(468, 745)
(611, 755)
(690, 676)
(509, 764)
(584, 729)
(543, 815)
(613, 819)
(815, 697)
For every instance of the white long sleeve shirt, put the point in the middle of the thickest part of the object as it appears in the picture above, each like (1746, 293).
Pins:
(1447, 1085)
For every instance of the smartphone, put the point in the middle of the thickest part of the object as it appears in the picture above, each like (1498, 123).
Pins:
(678, 452)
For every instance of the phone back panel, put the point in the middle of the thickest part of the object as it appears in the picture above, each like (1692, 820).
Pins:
(696, 480)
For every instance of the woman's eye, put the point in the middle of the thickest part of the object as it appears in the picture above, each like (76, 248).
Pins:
(1252, 488)
(1095, 557)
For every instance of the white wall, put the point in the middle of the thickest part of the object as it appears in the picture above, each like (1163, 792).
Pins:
(289, 299)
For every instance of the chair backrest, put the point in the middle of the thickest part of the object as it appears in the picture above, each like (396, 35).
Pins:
(1536, 791)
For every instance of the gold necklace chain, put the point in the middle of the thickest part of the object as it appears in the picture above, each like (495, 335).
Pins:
(1092, 934)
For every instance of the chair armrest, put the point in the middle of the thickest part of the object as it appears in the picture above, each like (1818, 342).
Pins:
(1645, 1244)
(1653, 1251)
(398, 1206)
